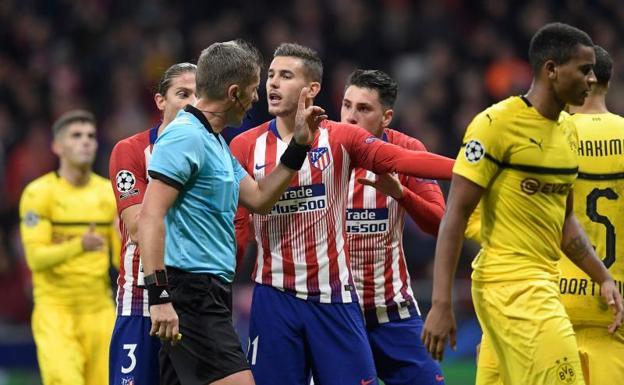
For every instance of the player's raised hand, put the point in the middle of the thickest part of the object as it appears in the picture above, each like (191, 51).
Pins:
(307, 119)
(165, 323)
(92, 241)
(612, 297)
(388, 184)
(439, 328)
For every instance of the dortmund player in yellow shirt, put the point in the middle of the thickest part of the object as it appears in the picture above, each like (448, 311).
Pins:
(597, 190)
(67, 230)
(520, 160)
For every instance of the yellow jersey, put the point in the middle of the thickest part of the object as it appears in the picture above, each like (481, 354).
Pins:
(527, 165)
(599, 207)
(54, 215)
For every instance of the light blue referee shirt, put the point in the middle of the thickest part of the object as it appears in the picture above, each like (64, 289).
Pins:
(189, 156)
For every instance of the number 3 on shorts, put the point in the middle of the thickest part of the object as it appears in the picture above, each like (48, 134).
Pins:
(130, 348)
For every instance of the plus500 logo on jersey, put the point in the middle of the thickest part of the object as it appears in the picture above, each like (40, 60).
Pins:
(301, 199)
(367, 221)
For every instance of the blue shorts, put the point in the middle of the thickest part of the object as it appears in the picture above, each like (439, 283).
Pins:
(133, 357)
(400, 356)
(291, 338)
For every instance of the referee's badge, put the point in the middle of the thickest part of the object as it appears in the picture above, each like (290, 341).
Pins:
(474, 151)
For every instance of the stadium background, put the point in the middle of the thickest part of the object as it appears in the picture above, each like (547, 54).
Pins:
(452, 58)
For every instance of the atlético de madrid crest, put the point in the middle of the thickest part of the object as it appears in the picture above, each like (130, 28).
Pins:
(320, 158)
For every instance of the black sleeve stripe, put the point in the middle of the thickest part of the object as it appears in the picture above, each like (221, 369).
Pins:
(534, 169)
(591, 176)
(541, 170)
(165, 179)
(80, 223)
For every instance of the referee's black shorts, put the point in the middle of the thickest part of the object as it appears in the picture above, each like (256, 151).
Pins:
(210, 349)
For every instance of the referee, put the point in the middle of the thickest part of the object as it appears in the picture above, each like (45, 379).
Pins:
(186, 231)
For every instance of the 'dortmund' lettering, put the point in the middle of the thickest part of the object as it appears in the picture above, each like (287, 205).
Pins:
(584, 286)
(367, 221)
(301, 199)
(531, 186)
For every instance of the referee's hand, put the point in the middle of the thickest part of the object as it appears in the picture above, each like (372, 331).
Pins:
(164, 322)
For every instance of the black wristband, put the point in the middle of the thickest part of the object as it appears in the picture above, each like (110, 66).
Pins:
(158, 278)
(157, 295)
(295, 155)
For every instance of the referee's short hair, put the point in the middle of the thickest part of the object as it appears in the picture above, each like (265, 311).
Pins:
(71, 117)
(225, 63)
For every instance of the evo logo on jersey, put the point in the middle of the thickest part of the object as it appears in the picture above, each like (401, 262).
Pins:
(531, 186)
(299, 199)
(367, 221)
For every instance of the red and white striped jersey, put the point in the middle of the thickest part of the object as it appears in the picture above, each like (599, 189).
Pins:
(128, 175)
(302, 242)
(374, 226)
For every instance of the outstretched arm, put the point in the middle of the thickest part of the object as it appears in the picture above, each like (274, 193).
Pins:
(380, 157)
(440, 327)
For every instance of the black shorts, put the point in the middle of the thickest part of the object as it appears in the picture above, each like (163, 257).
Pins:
(209, 349)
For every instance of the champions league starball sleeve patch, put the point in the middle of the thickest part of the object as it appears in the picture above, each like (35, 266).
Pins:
(474, 151)
(31, 219)
(125, 181)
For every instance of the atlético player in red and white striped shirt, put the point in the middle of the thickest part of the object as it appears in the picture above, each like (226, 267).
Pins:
(133, 353)
(376, 208)
(305, 315)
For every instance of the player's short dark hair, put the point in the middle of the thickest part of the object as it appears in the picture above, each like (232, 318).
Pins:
(603, 67)
(377, 80)
(174, 71)
(557, 42)
(312, 63)
(71, 117)
(225, 63)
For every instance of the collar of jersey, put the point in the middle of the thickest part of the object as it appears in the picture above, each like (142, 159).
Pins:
(153, 133)
(201, 117)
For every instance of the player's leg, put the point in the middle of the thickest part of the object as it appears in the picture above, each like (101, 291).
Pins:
(59, 352)
(603, 352)
(209, 350)
(488, 368)
(276, 343)
(339, 347)
(400, 356)
(133, 352)
(95, 336)
(530, 332)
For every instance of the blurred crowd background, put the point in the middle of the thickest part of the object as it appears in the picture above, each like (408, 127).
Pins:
(452, 58)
